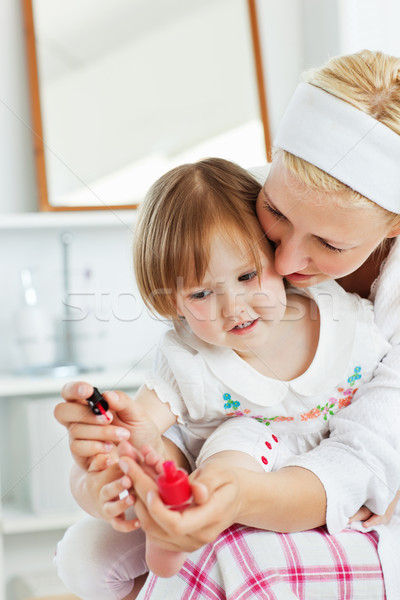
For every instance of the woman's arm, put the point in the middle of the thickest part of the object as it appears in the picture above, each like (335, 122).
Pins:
(226, 496)
(360, 462)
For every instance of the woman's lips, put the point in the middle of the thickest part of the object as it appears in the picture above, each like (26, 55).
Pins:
(297, 277)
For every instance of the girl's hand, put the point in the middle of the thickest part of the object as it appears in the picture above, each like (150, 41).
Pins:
(215, 495)
(370, 519)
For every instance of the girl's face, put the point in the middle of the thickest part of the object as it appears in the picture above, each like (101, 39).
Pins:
(314, 238)
(233, 307)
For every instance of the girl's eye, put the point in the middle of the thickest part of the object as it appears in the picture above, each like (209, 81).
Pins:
(248, 276)
(272, 211)
(331, 248)
(200, 295)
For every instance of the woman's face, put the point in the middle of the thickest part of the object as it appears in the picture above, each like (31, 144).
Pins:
(315, 239)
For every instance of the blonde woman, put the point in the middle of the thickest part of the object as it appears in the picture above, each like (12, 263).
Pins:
(331, 208)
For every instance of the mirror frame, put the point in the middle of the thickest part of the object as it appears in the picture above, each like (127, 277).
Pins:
(37, 129)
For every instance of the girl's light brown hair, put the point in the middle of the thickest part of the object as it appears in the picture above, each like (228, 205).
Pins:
(370, 81)
(178, 219)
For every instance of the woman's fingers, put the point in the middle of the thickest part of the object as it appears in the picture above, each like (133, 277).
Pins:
(106, 433)
(361, 515)
(112, 490)
(102, 461)
(89, 448)
(77, 391)
(173, 530)
(124, 525)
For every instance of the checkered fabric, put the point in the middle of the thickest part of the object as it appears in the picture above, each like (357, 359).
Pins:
(246, 563)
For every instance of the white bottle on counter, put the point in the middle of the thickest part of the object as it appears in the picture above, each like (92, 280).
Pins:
(35, 329)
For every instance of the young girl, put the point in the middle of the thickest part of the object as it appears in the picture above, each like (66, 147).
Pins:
(252, 372)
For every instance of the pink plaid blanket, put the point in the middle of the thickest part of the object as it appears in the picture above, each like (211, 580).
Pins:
(245, 563)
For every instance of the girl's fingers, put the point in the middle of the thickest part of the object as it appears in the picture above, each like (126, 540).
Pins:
(126, 449)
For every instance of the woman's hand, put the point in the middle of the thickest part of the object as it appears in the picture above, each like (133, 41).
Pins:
(104, 489)
(369, 519)
(215, 496)
(92, 435)
(89, 434)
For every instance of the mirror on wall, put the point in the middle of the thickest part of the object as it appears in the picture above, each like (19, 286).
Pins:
(124, 90)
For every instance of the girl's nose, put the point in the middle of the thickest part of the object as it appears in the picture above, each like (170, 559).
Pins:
(290, 257)
(234, 303)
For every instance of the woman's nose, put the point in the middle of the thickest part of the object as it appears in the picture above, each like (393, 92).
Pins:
(290, 257)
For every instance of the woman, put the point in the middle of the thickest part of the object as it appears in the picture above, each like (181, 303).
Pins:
(345, 122)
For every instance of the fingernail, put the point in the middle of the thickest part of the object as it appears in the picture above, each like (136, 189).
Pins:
(112, 396)
(126, 483)
(110, 462)
(123, 466)
(108, 447)
(102, 418)
(149, 497)
(123, 434)
(136, 523)
(85, 390)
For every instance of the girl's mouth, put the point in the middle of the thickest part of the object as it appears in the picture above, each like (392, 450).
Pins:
(245, 327)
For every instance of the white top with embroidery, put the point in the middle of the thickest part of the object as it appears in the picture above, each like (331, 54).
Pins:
(205, 384)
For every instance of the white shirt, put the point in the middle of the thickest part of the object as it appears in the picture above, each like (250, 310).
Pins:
(205, 384)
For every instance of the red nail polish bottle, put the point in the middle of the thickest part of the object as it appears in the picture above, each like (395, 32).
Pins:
(174, 487)
(97, 403)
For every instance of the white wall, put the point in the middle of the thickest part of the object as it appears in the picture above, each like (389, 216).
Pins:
(107, 252)
(17, 179)
(295, 35)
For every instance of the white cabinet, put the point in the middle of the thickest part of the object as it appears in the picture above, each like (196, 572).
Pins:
(30, 477)
(28, 531)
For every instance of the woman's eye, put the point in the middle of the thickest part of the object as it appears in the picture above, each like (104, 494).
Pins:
(331, 248)
(200, 295)
(272, 211)
(248, 276)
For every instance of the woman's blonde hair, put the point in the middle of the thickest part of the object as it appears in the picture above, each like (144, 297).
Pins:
(370, 81)
(178, 219)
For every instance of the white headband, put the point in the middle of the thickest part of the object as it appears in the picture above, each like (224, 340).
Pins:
(344, 142)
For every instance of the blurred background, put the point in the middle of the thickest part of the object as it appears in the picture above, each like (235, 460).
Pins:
(125, 89)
